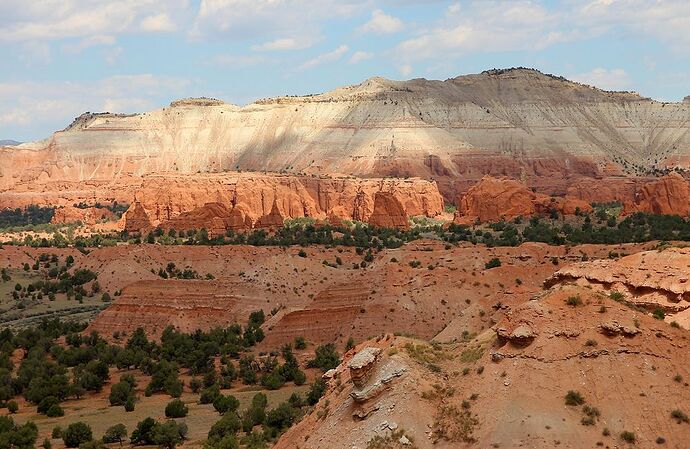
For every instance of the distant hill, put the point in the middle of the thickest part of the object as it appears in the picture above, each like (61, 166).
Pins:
(540, 128)
(8, 143)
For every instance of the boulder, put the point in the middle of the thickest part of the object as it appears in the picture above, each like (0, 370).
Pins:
(362, 364)
(388, 212)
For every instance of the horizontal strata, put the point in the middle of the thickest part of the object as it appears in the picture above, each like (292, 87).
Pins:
(519, 123)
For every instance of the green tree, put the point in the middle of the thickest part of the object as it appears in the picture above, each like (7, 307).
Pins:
(76, 434)
(176, 409)
(115, 434)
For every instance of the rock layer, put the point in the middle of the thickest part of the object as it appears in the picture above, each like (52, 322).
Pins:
(668, 195)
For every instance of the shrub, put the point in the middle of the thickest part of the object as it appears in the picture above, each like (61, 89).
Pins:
(679, 416)
(176, 409)
(56, 433)
(300, 342)
(628, 437)
(129, 404)
(76, 434)
(493, 263)
(318, 388)
(659, 314)
(115, 434)
(574, 301)
(13, 407)
(326, 357)
(55, 411)
(574, 398)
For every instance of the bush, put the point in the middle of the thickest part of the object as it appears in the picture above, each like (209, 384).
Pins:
(574, 301)
(493, 263)
(679, 416)
(76, 434)
(56, 433)
(115, 434)
(574, 398)
(129, 404)
(300, 342)
(176, 409)
(659, 314)
(318, 388)
(119, 393)
(55, 411)
(628, 437)
(326, 358)
(13, 407)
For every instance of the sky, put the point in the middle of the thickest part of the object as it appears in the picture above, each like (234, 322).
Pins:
(60, 58)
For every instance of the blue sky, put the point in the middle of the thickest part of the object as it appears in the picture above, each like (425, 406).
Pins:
(59, 58)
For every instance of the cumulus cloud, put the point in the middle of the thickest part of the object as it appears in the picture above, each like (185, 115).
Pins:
(382, 23)
(360, 56)
(53, 104)
(158, 23)
(325, 58)
(607, 79)
(49, 20)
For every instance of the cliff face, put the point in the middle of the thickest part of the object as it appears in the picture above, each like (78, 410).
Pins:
(495, 199)
(518, 123)
(668, 195)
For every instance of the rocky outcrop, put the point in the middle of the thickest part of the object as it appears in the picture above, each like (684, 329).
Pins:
(186, 305)
(362, 365)
(135, 219)
(214, 217)
(495, 199)
(163, 197)
(388, 212)
(272, 220)
(653, 280)
(86, 215)
(668, 195)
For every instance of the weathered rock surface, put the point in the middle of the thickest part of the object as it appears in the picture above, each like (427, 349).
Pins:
(87, 215)
(187, 305)
(495, 199)
(272, 220)
(649, 279)
(518, 122)
(388, 212)
(362, 365)
(214, 217)
(668, 195)
(135, 219)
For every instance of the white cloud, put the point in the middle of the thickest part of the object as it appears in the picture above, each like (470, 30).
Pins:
(325, 58)
(158, 23)
(382, 23)
(405, 69)
(282, 44)
(51, 19)
(484, 27)
(360, 56)
(53, 105)
(607, 79)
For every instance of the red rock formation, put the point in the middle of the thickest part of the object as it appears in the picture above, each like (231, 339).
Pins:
(272, 220)
(166, 196)
(89, 215)
(136, 219)
(214, 217)
(388, 212)
(667, 195)
(187, 305)
(496, 199)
